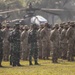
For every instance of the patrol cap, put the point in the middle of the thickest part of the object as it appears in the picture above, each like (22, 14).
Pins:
(72, 24)
(33, 25)
(46, 25)
(7, 25)
(17, 24)
(66, 25)
(26, 27)
(41, 26)
(56, 25)
(63, 23)
(68, 22)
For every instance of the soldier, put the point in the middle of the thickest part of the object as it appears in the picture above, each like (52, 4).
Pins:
(15, 45)
(1, 45)
(40, 41)
(60, 30)
(24, 43)
(45, 36)
(61, 27)
(64, 43)
(6, 44)
(71, 37)
(32, 40)
(11, 47)
(55, 42)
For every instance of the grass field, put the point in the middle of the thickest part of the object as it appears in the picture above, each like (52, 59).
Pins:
(46, 68)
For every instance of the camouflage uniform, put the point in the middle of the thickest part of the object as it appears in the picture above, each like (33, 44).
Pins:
(60, 46)
(1, 46)
(55, 42)
(71, 37)
(32, 40)
(40, 42)
(6, 44)
(45, 36)
(64, 43)
(15, 46)
(24, 42)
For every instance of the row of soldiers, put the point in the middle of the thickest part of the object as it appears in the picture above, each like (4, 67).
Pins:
(38, 41)
(63, 40)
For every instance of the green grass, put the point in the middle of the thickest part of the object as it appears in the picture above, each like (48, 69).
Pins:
(46, 68)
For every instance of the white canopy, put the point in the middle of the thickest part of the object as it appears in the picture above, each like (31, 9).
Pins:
(38, 20)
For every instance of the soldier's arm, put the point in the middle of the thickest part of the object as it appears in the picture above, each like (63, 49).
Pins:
(3, 33)
(42, 34)
(38, 34)
(29, 38)
(68, 33)
(10, 38)
(22, 36)
(1, 36)
(62, 35)
(52, 35)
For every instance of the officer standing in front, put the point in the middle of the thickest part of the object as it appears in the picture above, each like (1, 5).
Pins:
(15, 43)
(32, 40)
(1, 45)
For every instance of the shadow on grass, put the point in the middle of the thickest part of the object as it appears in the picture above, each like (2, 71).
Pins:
(6, 67)
(23, 66)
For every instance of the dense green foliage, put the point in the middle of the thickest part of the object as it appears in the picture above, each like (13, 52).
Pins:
(24, 3)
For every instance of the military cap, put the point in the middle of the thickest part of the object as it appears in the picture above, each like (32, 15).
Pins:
(46, 24)
(26, 27)
(72, 24)
(66, 25)
(63, 23)
(7, 24)
(68, 22)
(33, 25)
(42, 25)
(17, 24)
(56, 25)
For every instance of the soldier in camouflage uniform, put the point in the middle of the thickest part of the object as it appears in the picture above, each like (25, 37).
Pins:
(60, 46)
(71, 37)
(15, 45)
(1, 45)
(45, 36)
(64, 43)
(61, 27)
(55, 42)
(24, 43)
(40, 41)
(32, 40)
(6, 44)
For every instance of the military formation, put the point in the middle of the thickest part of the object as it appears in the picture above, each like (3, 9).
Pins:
(38, 42)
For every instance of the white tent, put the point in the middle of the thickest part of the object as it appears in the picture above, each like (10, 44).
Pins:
(38, 20)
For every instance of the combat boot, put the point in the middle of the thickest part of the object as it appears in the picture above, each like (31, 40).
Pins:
(19, 64)
(10, 60)
(14, 64)
(30, 63)
(0, 65)
(36, 63)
